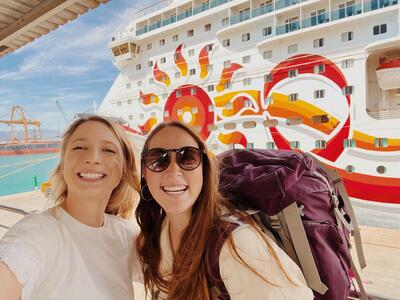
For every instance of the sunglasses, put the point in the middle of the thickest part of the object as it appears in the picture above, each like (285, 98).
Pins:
(158, 159)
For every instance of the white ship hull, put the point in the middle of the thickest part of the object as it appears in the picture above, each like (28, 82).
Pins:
(276, 75)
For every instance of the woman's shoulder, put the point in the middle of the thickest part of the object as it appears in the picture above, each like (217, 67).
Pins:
(124, 226)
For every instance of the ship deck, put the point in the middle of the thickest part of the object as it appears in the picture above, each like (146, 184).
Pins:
(381, 245)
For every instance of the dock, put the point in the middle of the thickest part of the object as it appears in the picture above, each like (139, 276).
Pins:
(381, 277)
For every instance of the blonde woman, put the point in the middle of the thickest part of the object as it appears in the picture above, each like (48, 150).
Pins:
(83, 247)
(179, 209)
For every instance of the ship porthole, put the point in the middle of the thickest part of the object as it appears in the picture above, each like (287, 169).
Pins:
(381, 169)
(350, 169)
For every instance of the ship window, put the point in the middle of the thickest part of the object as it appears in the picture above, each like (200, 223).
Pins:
(348, 90)
(379, 29)
(268, 77)
(175, 37)
(246, 37)
(207, 27)
(250, 145)
(133, 48)
(192, 72)
(124, 48)
(267, 31)
(347, 63)
(249, 124)
(347, 36)
(317, 43)
(246, 59)
(270, 145)
(177, 75)
(162, 42)
(165, 95)
(293, 97)
(151, 80)
(292, 48)
(209, 47)
(212, 127)
(211, 108)
(381, 169)
(138, 67)
(350, 169)
(149, 46)
(268, 101)
(209, 68)
(318, 69)
(381, 143)
(225, 21)
(130, 117)
(139, 83)
(193, 91)
(294, 121)
(293, 73)
(267, 54)
(270, 123)
(227, 63)
(195, 110)
(116, 51)
(150, 63)
(191, 52)
(128, 85)
(178, 93)
(230, 126)
(190, 32)
(163, 60)
(166, 114)
(119, 103)
(318, 94)
(247, 81)
(129, 101)
(295, 144)
(320, 144)
(226, 42)
(227, 85)
(210, 88)
(229, 105)
(153, 98)
(349, 143)
(164, 78)
(141, 116)
(320, 119)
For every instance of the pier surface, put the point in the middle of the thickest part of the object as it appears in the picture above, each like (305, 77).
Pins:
(381, 245)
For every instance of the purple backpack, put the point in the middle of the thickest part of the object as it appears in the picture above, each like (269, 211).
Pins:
(306, 208)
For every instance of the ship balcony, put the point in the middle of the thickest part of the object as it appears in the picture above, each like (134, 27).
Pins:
(124, 49)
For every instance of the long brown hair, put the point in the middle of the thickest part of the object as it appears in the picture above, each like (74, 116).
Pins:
(190, 276)
(124, 196)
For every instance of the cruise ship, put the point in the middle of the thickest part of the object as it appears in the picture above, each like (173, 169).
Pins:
(321, 76)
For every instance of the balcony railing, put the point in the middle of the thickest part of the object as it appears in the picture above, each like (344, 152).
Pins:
(289, 27)
(385, 114)
(336, 14)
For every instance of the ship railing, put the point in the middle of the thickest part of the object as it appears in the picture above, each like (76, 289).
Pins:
(385, 114)
(315, 20)
(288, 27)
(348, 11)
(152, 8)
(376, 4)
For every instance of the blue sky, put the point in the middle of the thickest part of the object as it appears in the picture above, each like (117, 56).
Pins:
(72, 65)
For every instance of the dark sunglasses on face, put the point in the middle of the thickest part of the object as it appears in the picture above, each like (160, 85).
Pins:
(158, 159)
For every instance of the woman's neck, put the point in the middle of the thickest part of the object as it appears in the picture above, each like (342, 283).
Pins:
(177, 225)
(87, 211)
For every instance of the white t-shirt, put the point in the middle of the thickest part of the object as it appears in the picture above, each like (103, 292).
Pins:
(54, 256)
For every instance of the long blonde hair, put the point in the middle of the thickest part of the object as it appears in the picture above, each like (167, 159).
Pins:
(191, 273)
(124, 196)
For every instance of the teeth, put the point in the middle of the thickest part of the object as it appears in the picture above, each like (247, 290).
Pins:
(174, 188)
(91, 175)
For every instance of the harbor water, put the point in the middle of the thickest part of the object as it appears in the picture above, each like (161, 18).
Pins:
(17, 173)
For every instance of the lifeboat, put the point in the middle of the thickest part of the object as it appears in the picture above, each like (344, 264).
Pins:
(388, 74)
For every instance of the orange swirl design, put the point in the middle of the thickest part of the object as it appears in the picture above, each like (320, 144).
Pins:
(161, 76)
(180, 61)
(150, 98)
(227, 75)
(148, 125)
(204, 61)
(239, 103)
(284, 108)
(367, 142)
(235, 137)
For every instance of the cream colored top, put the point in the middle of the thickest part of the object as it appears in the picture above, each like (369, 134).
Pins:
(54, 256)
(242, 283)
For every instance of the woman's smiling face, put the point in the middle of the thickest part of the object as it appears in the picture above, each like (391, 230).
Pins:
(175, 189)
(93, 160)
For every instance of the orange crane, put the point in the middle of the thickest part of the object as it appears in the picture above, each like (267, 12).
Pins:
(18, 118)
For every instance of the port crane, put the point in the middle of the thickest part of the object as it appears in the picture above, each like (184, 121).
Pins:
(18, 118)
